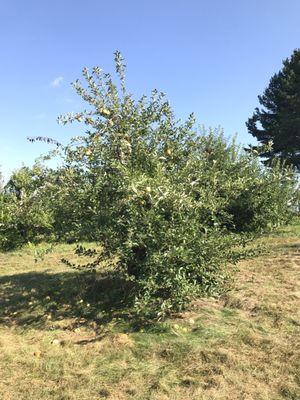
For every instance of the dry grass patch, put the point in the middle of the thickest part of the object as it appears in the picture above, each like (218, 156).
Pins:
(58, 340)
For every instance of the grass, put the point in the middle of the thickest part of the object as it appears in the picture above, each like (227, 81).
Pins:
(59, 340)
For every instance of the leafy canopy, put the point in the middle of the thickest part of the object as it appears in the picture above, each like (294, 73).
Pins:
(165, 198)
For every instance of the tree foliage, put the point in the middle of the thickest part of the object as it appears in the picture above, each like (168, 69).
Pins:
(278, 121)
(168, 200)
(25, 216)
(171, 203)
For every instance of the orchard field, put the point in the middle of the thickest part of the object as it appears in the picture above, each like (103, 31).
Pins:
(57, 341)
(155, 259)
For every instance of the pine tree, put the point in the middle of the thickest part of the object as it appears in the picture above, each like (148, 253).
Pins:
(278, 121)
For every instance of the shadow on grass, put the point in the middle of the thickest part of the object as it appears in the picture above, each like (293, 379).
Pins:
(292, 248)
(35, 299)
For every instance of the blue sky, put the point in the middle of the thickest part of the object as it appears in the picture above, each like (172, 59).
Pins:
(211, 57)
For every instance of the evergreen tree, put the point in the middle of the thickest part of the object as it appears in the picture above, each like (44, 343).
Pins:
(278, 121)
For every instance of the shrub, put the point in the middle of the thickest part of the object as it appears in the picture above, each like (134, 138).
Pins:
(25, 215)
(167, 200)
(266, 202)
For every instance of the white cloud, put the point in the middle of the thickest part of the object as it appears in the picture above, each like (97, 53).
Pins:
(57, 81)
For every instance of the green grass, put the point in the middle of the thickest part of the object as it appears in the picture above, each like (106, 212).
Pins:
(62, 337)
